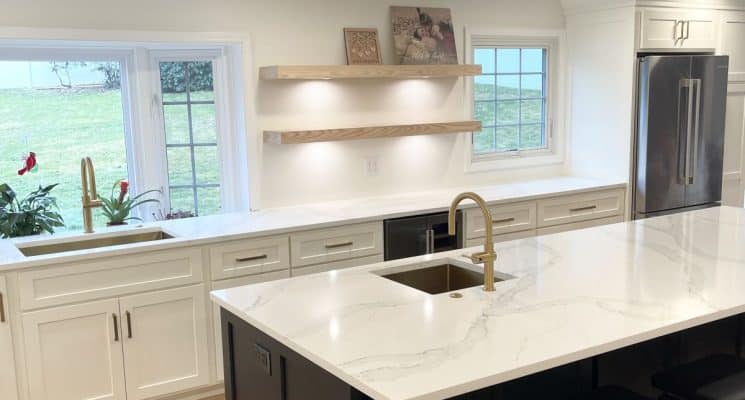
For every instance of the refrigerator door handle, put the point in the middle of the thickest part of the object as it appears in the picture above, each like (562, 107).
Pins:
(687, 159)
(695, 86)
(683, 126)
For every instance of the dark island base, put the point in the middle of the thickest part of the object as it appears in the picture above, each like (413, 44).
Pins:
(258, 367)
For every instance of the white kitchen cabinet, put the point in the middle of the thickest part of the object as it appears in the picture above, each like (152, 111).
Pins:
(336, 244)
(506, 218)
(678, 29)
(579, 225)
(733, 189)
(165, 341)
(249, 257)
(227, 284)
(506, 237)
(581, 207)
(8, 384)
(732, 44)
(75, 352)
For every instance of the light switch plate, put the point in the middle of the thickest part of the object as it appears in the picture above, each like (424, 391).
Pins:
(371, 166)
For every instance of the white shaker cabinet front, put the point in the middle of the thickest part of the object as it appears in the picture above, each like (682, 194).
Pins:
(165, 341)
(678, 29)
(75, 352)
(8, 387)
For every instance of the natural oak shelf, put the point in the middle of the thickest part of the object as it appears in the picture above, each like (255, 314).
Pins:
(370, 132)
(297, 72)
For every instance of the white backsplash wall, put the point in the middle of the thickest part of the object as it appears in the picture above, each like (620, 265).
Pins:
(310, 32)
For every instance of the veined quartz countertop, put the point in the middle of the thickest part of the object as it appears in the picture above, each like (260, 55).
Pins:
(230, 226)
(576, 294)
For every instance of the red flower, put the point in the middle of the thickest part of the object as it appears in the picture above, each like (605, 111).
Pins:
(29, 164)
(123, 189)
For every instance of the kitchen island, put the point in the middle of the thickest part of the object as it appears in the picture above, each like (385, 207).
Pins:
(565, 298)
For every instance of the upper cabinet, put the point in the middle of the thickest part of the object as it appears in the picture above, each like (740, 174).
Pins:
(733, 33)
(678, 29)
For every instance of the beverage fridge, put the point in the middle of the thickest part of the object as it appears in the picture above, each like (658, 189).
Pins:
(679, 133)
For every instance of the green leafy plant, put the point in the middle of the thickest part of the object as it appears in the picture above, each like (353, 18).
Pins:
(117, 208)
(34, 214)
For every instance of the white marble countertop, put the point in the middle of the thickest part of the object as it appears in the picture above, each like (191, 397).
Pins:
(210, 229)
(576, 294)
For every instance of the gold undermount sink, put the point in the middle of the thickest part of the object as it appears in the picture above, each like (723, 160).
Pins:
(85, 243)
(440, 276)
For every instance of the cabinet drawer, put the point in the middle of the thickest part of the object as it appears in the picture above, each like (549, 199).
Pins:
(74, 282)
(357, 262)
(336, 244)
(501, 238)
(579, 225)
(505, 219)
(580, 207)
(249, 257)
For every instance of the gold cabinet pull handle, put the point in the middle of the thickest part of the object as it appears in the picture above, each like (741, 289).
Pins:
(254, 258)
(116, 327)
(578, 209)
(129, 324)
(337, 245)
(2, 308)
(503, 220)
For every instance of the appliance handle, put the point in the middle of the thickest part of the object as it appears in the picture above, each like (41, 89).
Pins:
(432, 241)
(426, 241)
(683, 84)
(695, 86)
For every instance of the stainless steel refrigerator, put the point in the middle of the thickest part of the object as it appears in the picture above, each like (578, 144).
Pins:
(680, 133)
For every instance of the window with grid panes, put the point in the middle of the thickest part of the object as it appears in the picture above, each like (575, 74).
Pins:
(510, 99)
(190, 120)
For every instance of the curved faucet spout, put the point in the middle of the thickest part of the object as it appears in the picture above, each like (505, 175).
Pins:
(90, 196)
(488, 256)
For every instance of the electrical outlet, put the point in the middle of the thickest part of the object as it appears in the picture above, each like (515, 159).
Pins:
(264, 358)
(371, 166)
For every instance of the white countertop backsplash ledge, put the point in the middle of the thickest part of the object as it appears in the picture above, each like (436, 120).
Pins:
(204, 230)
(576, 294)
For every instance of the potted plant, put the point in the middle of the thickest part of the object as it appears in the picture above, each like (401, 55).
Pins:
(117, 209)
(32, 215)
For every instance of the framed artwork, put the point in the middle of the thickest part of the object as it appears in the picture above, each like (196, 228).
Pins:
(423, 35)
(363, 47)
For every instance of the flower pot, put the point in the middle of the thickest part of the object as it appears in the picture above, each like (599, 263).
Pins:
(116, 223)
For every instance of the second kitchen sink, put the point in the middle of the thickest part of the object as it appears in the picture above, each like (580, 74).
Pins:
(441, 276)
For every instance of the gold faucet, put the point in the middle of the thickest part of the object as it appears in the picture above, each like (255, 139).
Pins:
(90, 198)
(488, 256)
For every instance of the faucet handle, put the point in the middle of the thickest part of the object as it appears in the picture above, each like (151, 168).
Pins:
(482, 257)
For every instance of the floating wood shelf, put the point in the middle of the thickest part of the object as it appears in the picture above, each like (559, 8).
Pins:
(370, 132)
(367, 71)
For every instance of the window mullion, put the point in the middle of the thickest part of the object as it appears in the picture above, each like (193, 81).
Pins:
(187, 82)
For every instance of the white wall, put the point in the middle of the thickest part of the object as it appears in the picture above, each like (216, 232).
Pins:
(310, 32)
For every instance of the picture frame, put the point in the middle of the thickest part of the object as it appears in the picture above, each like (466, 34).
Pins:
(363, 46)
(423, 35)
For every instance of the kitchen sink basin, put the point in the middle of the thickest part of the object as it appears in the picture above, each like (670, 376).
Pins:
(31, 250)
(441, 278)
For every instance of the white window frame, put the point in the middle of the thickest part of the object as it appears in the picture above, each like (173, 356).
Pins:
(228, 182)
(143, 129)
(552, 41)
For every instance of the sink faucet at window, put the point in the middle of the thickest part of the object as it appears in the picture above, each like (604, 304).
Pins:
(90, 197)
(487, 256)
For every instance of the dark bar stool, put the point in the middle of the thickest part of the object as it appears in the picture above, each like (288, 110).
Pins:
(611, 393)
(716, 377)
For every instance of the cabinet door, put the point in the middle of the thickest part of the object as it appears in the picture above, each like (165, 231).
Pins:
(733, 187)
(733, 31)
(165, 341)
(700, 30)
(8, 386)
(660, 29)
(75, 352)
(678, 29)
